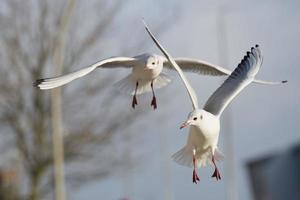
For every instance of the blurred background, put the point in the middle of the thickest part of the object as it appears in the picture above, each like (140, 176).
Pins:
(114, 152)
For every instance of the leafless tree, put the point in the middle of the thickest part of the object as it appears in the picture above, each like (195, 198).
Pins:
(93, 114)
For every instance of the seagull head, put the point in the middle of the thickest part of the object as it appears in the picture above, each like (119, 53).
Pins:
(194, 118)
(199, 118)
(153, 62)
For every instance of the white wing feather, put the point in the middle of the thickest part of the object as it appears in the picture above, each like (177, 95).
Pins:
(190, 90)
(49, 83)
(242, 76)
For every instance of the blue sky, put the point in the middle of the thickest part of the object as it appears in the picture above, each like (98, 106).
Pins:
(264, 118)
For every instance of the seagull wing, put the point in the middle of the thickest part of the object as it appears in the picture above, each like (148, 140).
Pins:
(198, 66)
(242, 76)
(269, 82)
(206, 68)
(190, 90)
(49, 83)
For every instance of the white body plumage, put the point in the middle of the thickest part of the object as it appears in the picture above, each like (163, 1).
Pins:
(202, 139)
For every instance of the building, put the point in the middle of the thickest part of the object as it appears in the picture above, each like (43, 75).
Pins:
(277, 176)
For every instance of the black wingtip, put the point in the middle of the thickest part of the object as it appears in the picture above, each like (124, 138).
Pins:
(285, 81)
(38, 82)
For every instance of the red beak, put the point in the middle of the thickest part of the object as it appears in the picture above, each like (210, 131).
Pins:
(146, 68)
(183, 125)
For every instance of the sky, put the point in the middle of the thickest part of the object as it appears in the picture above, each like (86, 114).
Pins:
(263, 119)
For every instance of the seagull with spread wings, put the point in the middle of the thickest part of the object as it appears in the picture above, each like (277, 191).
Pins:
(201, 147)
(146, 74)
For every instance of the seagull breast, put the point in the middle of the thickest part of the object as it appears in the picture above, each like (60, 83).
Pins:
(140, 73)
(209, 127)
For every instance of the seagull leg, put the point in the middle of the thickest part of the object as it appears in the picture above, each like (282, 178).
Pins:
(134, 101)
(216, 173)
(153, 102)
(195, 175)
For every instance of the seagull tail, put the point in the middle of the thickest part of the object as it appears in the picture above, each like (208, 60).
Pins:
(205, 158)
(128, 84)
(161, 81)
(219, 156)
(185, 157)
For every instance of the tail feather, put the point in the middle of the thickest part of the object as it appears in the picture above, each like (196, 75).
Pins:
(219, 156)
(161, 81)
(127, 85)
(185, 157)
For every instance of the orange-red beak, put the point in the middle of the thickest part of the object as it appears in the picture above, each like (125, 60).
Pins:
(146, 68)
(185, 124)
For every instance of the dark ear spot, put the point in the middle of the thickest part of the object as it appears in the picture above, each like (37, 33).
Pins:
(201, 117)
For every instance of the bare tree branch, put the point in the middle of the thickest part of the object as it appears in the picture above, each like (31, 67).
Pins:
(27, 47)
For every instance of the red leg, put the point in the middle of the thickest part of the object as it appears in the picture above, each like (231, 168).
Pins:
(153, 102)
(216, 173)
(134, 101)
(195, 175)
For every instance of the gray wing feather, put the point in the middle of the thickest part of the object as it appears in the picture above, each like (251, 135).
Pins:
(209, 69)
(198, 66)
(190, 90)
(242, 76)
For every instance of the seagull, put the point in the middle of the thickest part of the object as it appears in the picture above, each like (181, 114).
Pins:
(146, 72)
(145, 75)
(201, 147)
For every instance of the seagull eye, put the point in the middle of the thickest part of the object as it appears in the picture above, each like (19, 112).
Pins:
(153, 63)
(195, 118)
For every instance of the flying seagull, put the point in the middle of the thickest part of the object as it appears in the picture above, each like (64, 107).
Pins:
(146, 74)
(201, 147)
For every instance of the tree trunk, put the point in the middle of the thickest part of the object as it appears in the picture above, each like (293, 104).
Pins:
(34, 190)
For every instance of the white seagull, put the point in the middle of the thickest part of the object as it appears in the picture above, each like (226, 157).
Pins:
(201, 147)
(145, 75)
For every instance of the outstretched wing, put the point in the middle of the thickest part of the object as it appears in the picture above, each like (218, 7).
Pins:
(49, 83)
(190, 90)
(206, 68)
(242, 76)
(198, 66)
